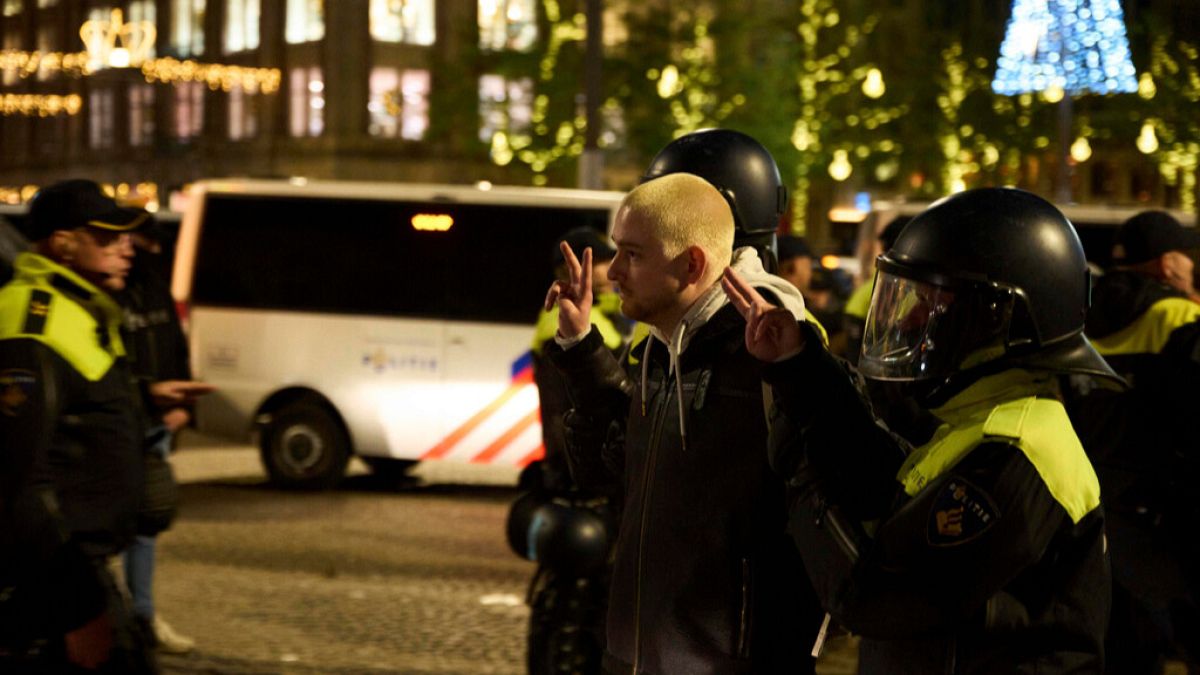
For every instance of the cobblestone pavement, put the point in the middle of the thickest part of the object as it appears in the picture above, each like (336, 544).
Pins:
(369, 578)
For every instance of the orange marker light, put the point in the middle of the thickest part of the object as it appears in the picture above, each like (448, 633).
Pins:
(429, 222)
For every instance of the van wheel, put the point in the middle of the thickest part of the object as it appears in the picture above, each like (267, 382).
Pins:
(304, 448)
(389, 468)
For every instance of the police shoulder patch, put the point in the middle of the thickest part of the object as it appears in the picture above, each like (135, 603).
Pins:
(961, 512)
(16, 386)
(37, 312)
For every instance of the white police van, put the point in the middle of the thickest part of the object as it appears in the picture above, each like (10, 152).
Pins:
(389, 321)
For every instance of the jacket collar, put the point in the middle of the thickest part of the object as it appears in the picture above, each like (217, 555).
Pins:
(38, 270)
(993, 390)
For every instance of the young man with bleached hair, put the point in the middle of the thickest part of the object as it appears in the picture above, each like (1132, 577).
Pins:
(704, 577)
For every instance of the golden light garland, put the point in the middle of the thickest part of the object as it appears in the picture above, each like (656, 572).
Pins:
(38, 105)
(28, 63)
(215, 75)
(141, 195)
(166, 70)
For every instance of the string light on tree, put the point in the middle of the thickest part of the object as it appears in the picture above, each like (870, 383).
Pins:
(1147, 140)
(840, 168)
(1081, 150)
(873, 86)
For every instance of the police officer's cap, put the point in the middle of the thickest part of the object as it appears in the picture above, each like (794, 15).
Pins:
(584, 237)
(1150, 234)
(793, 247)
(77, 203)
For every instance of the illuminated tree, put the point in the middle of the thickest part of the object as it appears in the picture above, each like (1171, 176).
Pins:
(1171, 134)
(557, 121)
(982, 138)
(844, 114)
(1078, 46)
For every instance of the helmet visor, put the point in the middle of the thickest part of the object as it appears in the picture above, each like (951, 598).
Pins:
(903, 329)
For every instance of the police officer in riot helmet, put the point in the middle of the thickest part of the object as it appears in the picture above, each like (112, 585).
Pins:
(981, 551)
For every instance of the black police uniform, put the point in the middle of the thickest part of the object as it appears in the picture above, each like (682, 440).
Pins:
(70, 470)
(1143, 442)
(981, 550)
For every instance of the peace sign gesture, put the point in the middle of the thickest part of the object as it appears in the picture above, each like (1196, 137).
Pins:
(574, 297)
(771, 332)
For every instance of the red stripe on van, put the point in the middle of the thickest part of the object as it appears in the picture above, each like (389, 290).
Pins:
(443, 447)
(538, 453)
(489, 453)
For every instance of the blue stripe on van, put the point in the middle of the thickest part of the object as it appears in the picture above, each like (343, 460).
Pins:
(523, 363)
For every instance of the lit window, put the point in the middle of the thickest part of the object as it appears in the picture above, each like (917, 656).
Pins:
(141, 114)
(187, 27)
(241, 25)
(189, 110)
(12, 7)
(243, 114)
(143, 10)
(504, 105)
(507, 24)
(12, 40)
(399, 104)
(42, 4)
(100, 118)
(45, 44)
(408, 21)
(307, 90)
(305, 21)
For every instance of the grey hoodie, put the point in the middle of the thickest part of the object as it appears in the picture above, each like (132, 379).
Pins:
(746, 263)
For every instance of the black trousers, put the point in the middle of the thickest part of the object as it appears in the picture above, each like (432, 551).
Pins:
(25, 649)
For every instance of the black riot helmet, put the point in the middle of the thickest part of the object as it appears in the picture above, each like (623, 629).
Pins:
(568, 536)
(742, 170)
(982, 281)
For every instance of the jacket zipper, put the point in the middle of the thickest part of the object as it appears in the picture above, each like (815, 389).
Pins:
(743, 643)
(839, 533)
(648, 476)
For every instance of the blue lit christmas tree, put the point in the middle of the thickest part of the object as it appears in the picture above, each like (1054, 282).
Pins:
(1078, 46)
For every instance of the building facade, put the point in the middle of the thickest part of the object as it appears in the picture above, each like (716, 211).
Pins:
(395, 90)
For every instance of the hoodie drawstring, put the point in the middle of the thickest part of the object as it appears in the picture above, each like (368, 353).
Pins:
(645, 371)
(676, 348)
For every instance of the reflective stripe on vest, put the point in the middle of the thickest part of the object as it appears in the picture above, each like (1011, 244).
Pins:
(860, 300)
(1151, 331)
(1038, 426)
(70, 329)
(605, 304)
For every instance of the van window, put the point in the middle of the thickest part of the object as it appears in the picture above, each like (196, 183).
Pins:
(366, 257)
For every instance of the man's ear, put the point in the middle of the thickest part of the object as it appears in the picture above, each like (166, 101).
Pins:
(697, 262)
(63, 244)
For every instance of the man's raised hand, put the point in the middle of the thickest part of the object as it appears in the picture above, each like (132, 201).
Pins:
(574, 296)
(771, 332)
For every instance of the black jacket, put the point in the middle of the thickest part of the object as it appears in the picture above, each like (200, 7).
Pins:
(1144, 438)
(976, 569)
(158, 349)
(705, 580)
(1144, 445)
(70, 448)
